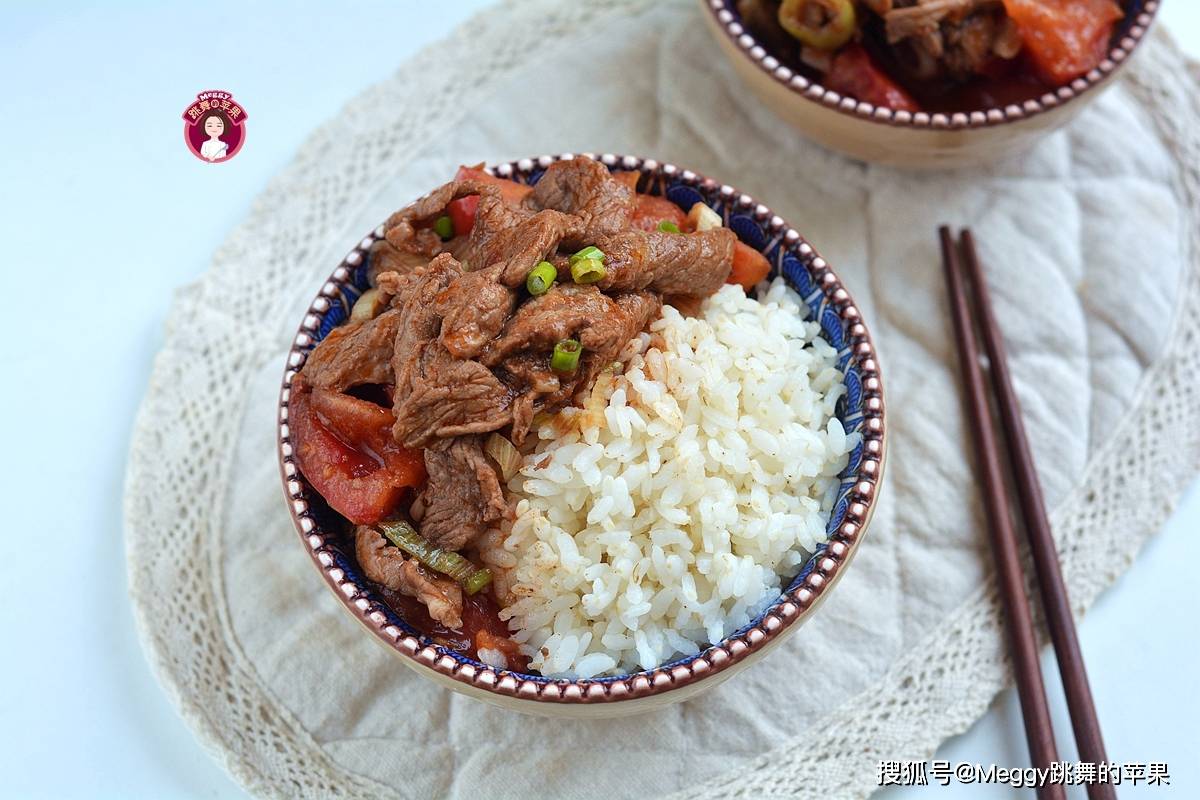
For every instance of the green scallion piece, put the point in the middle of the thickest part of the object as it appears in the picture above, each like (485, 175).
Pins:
(588, 270)
(587, 266)
(478, 580)
(444, 227)
(666, 226)
(566, 355)
(447, 562)
(591, 251)
(541, 278)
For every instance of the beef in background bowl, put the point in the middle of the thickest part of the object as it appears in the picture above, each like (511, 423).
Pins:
(944, 91)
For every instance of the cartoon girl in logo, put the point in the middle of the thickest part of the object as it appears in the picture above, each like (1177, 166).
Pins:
(214, 124)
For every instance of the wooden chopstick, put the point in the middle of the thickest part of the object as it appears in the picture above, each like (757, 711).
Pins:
(1039, 731)
(1055, 602)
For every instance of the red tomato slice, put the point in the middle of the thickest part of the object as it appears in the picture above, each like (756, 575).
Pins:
(1064, 38)
(462, 213)
(749, 266)
(855, 74)
(513, 192)
(345, 448)
(651, 210)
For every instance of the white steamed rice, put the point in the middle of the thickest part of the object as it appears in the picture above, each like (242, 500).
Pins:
(666, 513)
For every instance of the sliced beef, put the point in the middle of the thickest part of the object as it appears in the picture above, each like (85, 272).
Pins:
(522, 415)
(473, 309)
(394, 284)
(602, 324)
(354, 354)
(951, 38)
(697, 264)
(408, 240)
(518, 249)
(494, 217)
(635, 310)
(688, 306)
(920, 19)
(693, 264)
(387, 257)
(561, 313)
(388, 566)
(531, 371)
(433, 205)
(968, 44)
(439, 396)
(586, 189)
(638, 310)
(538, 388)
(463, 497)
(415, 295)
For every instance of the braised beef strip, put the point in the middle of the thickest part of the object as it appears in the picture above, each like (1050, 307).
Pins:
(694, 265)
(463, 496)
(586, 190)
(356, 353)
(388, 566)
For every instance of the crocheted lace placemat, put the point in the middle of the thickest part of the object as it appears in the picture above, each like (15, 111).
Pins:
(1090, 242)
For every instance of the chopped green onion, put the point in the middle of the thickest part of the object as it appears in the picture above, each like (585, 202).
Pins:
(478, 580)
(587, 266)
(447, 562)
(666, 226)
(444, 227)
(541, 278)
(588, 270)
(591, 251)
(566, 355)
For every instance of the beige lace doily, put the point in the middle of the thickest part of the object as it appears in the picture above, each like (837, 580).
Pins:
(1091, 243)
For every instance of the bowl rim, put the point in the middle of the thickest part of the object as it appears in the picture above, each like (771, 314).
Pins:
(760, 57)
(793, 606)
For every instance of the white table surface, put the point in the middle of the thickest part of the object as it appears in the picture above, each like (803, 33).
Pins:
(103, 214)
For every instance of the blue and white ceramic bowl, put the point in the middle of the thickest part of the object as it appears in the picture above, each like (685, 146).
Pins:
(861, 409)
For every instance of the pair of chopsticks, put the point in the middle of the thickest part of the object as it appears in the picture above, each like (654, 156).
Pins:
(962, 269)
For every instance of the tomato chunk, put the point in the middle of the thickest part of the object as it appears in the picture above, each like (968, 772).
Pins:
(513, 192)
(651, 210)
(856, 75)
(345, 448)
(1064, 38)
(749, 266)
(462, 213)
